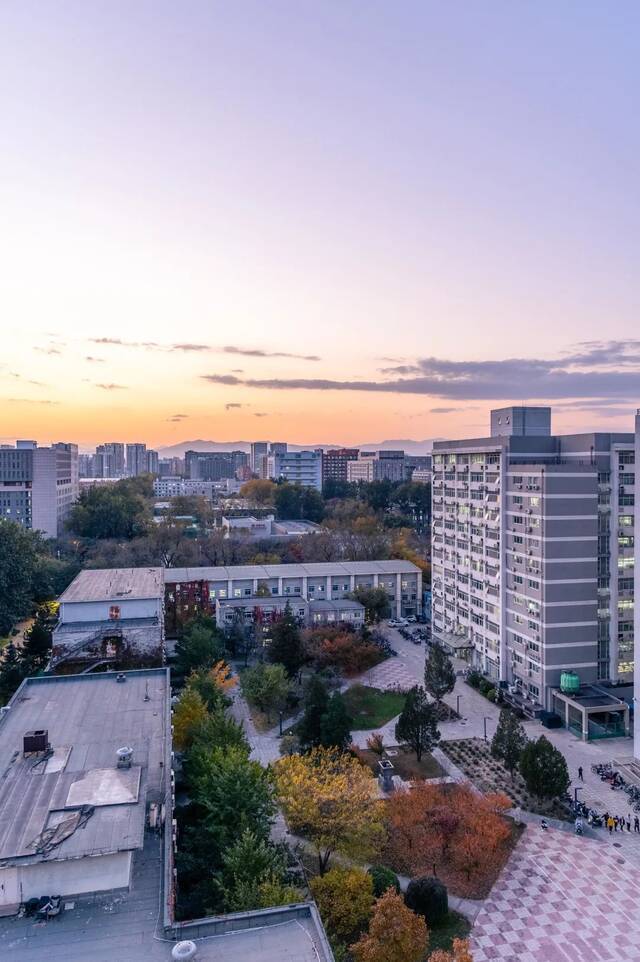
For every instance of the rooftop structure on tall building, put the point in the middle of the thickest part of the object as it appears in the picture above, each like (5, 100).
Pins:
(533, 560)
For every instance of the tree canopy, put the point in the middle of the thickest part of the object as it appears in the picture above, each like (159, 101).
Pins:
(396, 934)
(119, 510)
(417, 725)
(375, 602)
(20, 557)
(439, 674)
(509, 740)
(544, 769)
(286, 642)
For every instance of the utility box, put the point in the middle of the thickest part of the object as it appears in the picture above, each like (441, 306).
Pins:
(36, 741)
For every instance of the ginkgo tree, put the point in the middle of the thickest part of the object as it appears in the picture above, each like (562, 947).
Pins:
(330, 798)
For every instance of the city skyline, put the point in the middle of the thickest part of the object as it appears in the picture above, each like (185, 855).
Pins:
(296, 222)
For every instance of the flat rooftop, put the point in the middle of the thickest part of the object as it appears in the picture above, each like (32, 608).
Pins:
(88, 718)
(114, 584)
(312, 570)
(589, 696)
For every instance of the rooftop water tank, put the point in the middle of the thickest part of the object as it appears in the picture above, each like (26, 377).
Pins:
(184, 951)
(569, 682)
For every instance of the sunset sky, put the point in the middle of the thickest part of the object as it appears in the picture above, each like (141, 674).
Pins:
(328, 221)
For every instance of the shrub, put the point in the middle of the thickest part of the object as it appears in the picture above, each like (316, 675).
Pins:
(492, 695)
(289, 745)
(427, 896)
(474, 678)
(485, 686)
(375, 743)
(345, 900)
(383, 878)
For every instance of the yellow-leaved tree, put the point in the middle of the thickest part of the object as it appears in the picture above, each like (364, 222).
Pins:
(345, 899)
(222, 676)
(188, 716)
(396, 934)
(330, 798)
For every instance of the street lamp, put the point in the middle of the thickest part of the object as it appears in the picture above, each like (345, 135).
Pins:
(485, 720)
(280, 720)
(458, 704)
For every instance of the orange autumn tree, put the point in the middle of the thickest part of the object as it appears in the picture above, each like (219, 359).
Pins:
(459, 953)
(222, 676)
(431, 825)
(396, 934)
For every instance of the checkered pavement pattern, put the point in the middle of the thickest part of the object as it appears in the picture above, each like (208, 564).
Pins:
(561, 898)
(391, 673)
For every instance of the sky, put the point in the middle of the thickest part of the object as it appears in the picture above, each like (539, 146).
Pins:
(328, 221)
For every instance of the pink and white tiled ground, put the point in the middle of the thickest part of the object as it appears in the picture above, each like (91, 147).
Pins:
(561, 898)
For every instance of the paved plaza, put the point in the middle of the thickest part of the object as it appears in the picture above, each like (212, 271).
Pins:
(561, 898)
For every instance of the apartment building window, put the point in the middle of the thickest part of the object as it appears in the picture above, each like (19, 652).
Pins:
(533, 625)
(627, 478)
(518, 539)
(625, 563)
(518, 519)
(534, 690)
(534, 502)
(625, 584)
(533, 584)
(518, 580)
(625, 541)
(626, 500)
(626, 457)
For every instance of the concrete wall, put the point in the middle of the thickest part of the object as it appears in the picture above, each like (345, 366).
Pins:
(82, 611)
(100, 873)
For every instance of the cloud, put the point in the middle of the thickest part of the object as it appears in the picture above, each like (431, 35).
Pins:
(598, 369)
(188, 347)
(237, 370)
(261, 414)
(256, 352)
(112, 387)
(28, 400)
(442, 410)
(48, 350)
(21, 377)
(95, 360)
(177, 418)
(229, 407)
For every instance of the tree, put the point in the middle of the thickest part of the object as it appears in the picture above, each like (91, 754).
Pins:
(417, 725)
(312, 505)
(20, 552)
(335, 725)
(331, 799)
(316, 703)
(544, 769)
(459, 953)
(383, 878)
(120, 510)
(266, 687)
(258, 491)
(188, 715)
(375, 602)
(427, 896)
(247, 864)
(509, 740)
(36, 648)
(201, 647)
(12, 672)
(234, 794)
(286, 642)
(396, 934)
(207, 685)
(439, 675)
(288, 501)
(345, 900)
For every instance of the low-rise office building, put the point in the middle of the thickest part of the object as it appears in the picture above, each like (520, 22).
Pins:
(296, 467)
(243, 612)
(246, 526)
(377, 466)
(110, 615)
(192, 590)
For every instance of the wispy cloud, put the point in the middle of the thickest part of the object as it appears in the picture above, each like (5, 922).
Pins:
(112, 387)
(28, 400)
(178, 417)
(52, 349)
(26, 380)
(201, 348)
(595, 369)
(261, 414)
(231, 406)
(94, 360)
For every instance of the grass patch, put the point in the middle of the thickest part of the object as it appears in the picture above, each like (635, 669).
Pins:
(455, 926)
(372, 707)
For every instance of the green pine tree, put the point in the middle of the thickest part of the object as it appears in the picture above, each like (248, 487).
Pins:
(12, 672)
(316, 705)
(286, 643)
(439, 674)
(417, 725)
(544, 769)
(509, 740)
(335, 725)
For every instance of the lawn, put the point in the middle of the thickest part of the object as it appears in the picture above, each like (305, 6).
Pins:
(455, 926)
(372, 707)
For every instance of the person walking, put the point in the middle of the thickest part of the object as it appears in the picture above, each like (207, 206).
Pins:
(629, 823)
(636, 824)
(610, 824)
(580, 775)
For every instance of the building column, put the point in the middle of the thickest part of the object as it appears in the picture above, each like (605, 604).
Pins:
(352, 583)
(255, 586)
(230, 588)
(585, 725)
(399, 595)
(327, 589)
(305, 586)
(279, 586)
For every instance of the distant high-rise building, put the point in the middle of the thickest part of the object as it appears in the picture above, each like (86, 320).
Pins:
(258, 450)
(152, 462)
(278, 447)
(335, 461)
(214, 465)
(116, 461)
(85, 465)
(38, 486)
(171, 467)
(136, 459)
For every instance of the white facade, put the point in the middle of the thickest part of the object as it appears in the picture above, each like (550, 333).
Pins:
(184, 487)
(377, 466)
(38, 486)
(297, 467)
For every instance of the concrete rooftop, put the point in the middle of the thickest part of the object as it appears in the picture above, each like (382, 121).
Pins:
(114, 584)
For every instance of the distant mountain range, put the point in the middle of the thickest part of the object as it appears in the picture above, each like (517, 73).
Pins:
(405, 444)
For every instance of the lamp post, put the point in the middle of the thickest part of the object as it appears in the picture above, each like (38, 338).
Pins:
(280, 721)
(458, 704)
(485, 720)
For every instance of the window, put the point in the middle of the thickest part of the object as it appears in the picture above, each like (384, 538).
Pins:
(518, 539)
(534, 584)
(627, 478)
